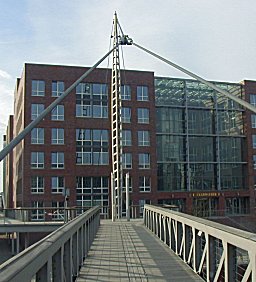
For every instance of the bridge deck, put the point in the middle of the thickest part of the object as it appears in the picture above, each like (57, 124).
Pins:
(127, 251)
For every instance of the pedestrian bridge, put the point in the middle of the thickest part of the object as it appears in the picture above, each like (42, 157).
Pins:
(164, 246)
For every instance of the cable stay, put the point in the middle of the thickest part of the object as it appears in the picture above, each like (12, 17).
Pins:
(210, 84)
(8, 148)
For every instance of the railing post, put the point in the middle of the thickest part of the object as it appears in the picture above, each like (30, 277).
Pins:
(230, 262)
(57, 266)
(67, 261)
(45, 273)
(74, 255)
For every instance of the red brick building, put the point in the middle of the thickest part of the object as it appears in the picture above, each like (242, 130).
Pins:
(71, 148)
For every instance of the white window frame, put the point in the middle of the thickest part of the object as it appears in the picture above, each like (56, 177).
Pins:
(145, 187)
(126, 137)
(127, 160)
(142, 116)
(39, 212)
(37, 135)
(37, 164)
(253, 120)
(58, 164)
(58, 113)
(126, 114)
(125, 92)
(253, 99)
(58, 138)
(37, 88)
(143, 138)
(254, 141)
(60, 88)
(142, 93)
(57, 189)
(36, 110)
(37, 189)
(143, 158)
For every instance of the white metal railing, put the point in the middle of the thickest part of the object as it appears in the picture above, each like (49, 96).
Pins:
(57, 257)
(214, 251)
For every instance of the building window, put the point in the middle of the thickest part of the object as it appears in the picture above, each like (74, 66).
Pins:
(37, 159)
(36, 110)
(57, 88)
(125, 92)
(58, 113)
(237, 205)
(38, 87)
(57, 160)
(143, 115)
(254, 141)
(37, 136)
(253, 121)
(92, 146)
(38, 212)
(58, 136)
(144, 183)
(37, 184)
(126, 137)
(142, 93)
(127, 160)
(126, 115)
(92, 100)
(92, 191)
(253, 99)
(254, 161)
(57, 184)
(144, 160)
(143, 138)
(58, 210)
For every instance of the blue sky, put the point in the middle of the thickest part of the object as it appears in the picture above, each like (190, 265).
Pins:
(215, 39)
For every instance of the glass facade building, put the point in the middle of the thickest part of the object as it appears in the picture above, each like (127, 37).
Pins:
(200, 137)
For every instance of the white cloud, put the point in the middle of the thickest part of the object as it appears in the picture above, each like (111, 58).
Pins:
(4, 74)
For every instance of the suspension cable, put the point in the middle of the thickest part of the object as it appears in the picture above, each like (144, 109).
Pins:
(210, 84)
(33, 124)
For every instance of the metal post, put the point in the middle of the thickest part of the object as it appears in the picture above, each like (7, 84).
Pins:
(127, 197)
(17, 242)
(116, 123)
(113, 197)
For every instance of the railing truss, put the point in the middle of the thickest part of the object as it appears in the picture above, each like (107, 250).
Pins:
(214, 251)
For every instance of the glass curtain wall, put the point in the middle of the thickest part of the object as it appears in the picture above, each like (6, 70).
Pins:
(200, 137)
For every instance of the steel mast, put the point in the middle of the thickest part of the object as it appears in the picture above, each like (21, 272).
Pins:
(116, 128)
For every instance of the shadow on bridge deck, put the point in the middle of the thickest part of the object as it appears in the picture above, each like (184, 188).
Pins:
(127, 251)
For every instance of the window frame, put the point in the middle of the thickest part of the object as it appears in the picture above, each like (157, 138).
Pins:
(36, 90)
(143, 138)
(141, 96)
(56, 160)
(143, 164)
(59, 86)
(35, 135)
(37, 189)
(57, 138)
(143, 115)
(58, 113)
(37, 164)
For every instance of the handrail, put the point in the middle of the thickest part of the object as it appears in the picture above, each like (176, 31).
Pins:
(57, 256)
(215, 251)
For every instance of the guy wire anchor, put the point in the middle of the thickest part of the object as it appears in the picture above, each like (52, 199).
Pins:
(125, 40)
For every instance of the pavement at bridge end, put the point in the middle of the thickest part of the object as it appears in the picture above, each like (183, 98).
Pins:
(127, 251)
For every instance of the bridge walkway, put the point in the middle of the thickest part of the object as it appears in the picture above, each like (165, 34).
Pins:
(127, 251)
